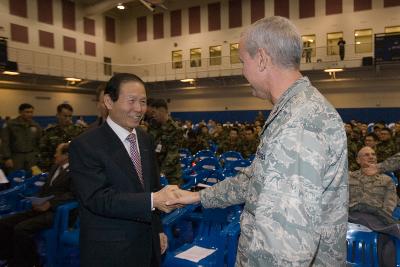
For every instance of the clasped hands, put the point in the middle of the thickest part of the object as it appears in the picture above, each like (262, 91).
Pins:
(171, 197)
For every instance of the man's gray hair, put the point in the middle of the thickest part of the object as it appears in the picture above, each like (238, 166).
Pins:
(280, 39)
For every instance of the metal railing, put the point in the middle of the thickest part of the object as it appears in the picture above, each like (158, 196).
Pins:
(57, 65)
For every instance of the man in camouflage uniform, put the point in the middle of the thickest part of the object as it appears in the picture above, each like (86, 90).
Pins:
(377, 190)
(249, 143)
(20, 140)
(168, 139)
(232, 143)
(296, 190)
(386, 147)
(63, 132)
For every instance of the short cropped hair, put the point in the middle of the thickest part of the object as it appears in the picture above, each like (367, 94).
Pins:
(24, 106)
(64, 106)
(159, 103)
(113, 86)
(279, 37)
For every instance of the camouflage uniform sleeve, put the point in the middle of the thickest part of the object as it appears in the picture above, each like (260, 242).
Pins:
(5, 142)
(229, 192)
(390, 201)
(390, 164)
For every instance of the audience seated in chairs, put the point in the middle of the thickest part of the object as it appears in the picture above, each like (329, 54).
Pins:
(17, 245)
(372, 201)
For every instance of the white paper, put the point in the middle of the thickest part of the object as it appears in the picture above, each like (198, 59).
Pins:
(39, 200)
(3, 178)
(195, 253)
(203, 185)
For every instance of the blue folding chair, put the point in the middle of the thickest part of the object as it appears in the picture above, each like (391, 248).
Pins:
(394, 178)
(362, 246)
(215, 232)
(184, 153)
(251, 157)
(202, 154)
(10, 201)
(227, 158)
(17, 177)
(186, 163)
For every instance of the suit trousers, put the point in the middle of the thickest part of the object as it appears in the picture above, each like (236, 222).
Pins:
(17, 237)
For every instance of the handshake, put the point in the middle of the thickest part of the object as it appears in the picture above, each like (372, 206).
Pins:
(171, 197)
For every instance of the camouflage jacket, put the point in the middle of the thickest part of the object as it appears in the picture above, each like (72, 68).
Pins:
(378, 191)
(390, 164)
(249, 147)
(52, 137)
(385, 149)
(168, 139)
(296, 190)
(19, 136)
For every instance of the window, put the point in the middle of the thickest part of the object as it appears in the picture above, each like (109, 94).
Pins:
(391, 29)
(107, 66)
(177, 59)
(308, 47)
(332, 43)
(234, 49)
(363, 41)
(215, 55)
(195, 57)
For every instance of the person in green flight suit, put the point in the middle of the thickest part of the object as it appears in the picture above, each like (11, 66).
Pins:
(20, 140)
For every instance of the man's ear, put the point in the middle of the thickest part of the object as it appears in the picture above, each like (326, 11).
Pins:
(263, 59)
(108, 101)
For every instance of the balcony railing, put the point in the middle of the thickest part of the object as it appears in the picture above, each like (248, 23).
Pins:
(56, 65)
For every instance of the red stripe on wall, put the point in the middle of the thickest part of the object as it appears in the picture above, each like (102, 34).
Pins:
(90, 48)
(46, 39)
(176, 22)
(89, 26)
(158, 26)
(214, 16)
(362, 5)
(281, 8)
(18, 8)
(235, 13)
(69, 44)
(333, 7)
(257, 10)
(194, 19)
(45, 11)
(110, 29)
(141, 29)
(306, 8)
(19, 33)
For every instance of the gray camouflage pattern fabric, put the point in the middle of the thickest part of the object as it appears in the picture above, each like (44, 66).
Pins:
(390, 164)
(296, 190)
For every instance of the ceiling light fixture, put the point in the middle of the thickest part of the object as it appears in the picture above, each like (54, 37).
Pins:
(332, 72)
(190, 80)
(120, 6)
(7, 72)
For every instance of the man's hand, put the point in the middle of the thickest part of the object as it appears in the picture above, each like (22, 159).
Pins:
(370, 170)
(184, 197)
(161, 197)
(163, 242)
(9, 163)
(43, 207)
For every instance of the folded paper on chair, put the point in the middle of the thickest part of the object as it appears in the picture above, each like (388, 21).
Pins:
(195, 253)
(39, 200)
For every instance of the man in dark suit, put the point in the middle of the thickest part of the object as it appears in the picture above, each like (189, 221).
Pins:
(17, 231)
(114, 174)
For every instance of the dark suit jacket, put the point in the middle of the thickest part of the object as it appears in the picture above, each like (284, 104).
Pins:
(61, 187)
(118, 227)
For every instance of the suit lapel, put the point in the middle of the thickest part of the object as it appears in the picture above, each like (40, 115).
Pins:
(119, 155)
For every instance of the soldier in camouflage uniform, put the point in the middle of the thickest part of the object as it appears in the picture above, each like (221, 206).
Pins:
(387, 147)
(232, 143)
(168, 139)
(20, 140)
(377, 191)
(249, 143)
(296, 190)
(63, 132)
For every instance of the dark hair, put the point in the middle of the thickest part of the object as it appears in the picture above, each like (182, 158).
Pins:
(159, 103)
(113, 86)
(234, 129)
(386, 129)
(150, 101)
(249, 128)
(99, 90)
(373, 135)
(24, 106)
(64, 106)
